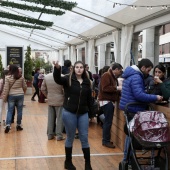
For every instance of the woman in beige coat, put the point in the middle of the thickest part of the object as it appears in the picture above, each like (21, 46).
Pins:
(13, 93)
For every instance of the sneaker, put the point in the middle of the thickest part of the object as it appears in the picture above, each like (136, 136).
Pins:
(109, 145)
(33, 99)
(60, 138)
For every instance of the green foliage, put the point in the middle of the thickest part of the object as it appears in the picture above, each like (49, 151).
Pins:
(48, 67)
(25, 19)
(38, 63)
(28, 64)
(31, 8)
(22, 25)
(53, 3)
(1, 66)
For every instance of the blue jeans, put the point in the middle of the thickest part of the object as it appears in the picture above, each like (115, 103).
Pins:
(71, 122)
(12, 102)
(108, 111)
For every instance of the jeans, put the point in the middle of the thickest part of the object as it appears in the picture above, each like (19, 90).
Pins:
(12, 102)
(108, 111)
(71, 122)
(55, 122)
(36, 91)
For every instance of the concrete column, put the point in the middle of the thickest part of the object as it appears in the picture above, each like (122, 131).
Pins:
(79, 54)
(108, 50)
(135, 51)
(156, 46)
(101, 56)
(148, 44)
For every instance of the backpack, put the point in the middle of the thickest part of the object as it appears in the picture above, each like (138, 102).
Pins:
(151, 126)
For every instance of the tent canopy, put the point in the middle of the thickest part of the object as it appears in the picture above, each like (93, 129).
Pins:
(88, 20)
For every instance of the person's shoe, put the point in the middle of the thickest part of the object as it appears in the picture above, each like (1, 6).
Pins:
(50, 137)
(12, 121)
(7, 129)
(60, 138)
(19, 128)
(69, 165)
(109, 145)
(33, 99)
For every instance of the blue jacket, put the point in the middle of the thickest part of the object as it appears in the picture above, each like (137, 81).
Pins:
(133, 90)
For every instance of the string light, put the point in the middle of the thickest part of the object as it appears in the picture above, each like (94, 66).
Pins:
(140, 6)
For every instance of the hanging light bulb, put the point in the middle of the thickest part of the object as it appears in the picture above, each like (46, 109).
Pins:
(114, 5)
(135, 7)
(151, 7)
(132, 7)
(147, 7)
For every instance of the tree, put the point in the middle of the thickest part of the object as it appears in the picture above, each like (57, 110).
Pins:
(28, 65)
(1, 65)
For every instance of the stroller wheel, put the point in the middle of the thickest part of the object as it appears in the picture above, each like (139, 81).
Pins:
(123, 165)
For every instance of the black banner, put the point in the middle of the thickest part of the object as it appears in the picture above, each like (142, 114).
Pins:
(15, 56)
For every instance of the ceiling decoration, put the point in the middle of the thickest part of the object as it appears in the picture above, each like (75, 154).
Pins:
(166, 6)
(22, 25)
(25, 19)
(35, 23)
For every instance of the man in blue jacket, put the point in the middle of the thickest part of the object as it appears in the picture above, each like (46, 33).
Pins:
(133, 90)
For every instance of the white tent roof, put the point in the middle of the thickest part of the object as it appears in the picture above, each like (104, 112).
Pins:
(90, 19)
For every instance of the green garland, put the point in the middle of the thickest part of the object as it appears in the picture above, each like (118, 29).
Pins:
(25, 19)
(22, 25)
(55, 3)
(31, 8)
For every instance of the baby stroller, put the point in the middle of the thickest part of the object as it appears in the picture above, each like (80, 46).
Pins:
(143, 152)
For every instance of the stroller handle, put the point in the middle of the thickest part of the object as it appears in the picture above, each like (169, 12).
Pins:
(137, 103)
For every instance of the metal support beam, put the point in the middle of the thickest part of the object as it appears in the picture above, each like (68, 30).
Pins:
(156, 19)
(97, 17)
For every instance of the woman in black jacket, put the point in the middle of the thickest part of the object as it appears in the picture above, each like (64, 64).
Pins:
(77, 104)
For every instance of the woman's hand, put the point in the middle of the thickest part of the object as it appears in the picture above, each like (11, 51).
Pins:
(56, 64)
(157, 80)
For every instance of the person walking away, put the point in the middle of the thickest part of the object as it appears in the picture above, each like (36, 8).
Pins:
(133, 90)
(77, 103)
(35, 84)
(55, 95)
(109, 92)
(41, 95)
(13, 93)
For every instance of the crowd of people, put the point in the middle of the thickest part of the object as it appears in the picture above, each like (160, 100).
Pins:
(71, 92)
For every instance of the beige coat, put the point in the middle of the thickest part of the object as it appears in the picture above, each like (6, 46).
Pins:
(13, 87)
(53, 91)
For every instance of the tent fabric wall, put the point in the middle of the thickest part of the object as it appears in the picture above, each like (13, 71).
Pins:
(73, 54)
(126, 40)
(91, 58)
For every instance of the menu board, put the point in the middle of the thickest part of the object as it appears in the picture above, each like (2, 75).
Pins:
(15, 56)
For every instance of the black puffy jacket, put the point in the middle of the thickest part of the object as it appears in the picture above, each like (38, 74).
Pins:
(77, 97)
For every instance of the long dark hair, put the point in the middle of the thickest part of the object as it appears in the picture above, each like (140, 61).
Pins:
(83, 76)
(162, 68)
(13, 71)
